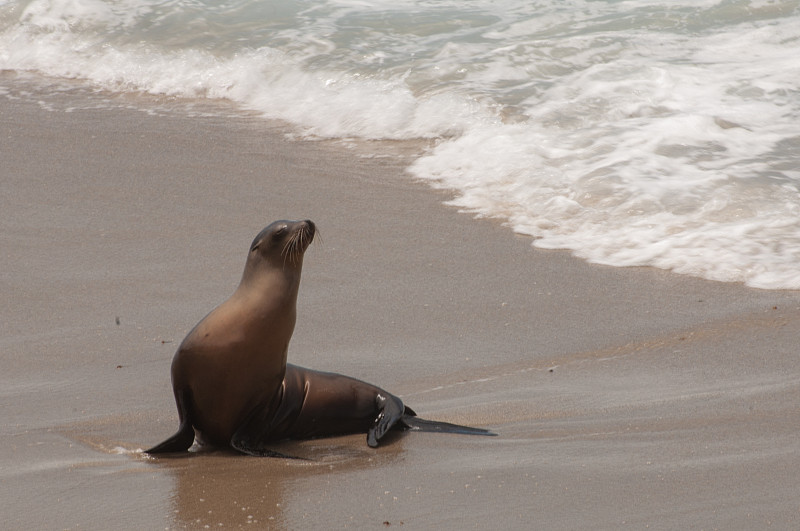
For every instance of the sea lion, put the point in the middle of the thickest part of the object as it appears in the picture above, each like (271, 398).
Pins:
(233, 387)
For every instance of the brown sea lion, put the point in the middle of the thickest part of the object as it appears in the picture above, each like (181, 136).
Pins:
(233, 387)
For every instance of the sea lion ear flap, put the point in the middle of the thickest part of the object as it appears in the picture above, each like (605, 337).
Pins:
(257, 241)
(260, 238)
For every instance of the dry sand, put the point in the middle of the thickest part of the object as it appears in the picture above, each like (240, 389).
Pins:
(623, 397)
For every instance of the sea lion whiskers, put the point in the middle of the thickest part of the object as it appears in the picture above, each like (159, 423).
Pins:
(296, 245)
(289, 247)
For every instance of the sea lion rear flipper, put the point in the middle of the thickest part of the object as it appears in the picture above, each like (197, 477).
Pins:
(183, 439)
(417, 424)
(390, 410)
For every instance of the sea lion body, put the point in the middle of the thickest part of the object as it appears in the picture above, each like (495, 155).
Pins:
(233, 387)
(233, 360)
(311, 404)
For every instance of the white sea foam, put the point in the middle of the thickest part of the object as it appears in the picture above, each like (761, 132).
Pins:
(323, 101)
(632, 133)
(652, 161)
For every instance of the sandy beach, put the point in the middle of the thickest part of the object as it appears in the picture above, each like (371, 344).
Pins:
(623, 398)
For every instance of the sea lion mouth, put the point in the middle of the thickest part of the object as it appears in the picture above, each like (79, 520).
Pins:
(300, 239)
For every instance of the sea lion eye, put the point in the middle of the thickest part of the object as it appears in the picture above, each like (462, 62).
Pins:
(279, 233)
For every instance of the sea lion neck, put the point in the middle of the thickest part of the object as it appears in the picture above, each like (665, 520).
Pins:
(281, 283)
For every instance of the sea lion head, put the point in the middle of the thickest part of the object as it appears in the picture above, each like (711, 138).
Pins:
(282, 243)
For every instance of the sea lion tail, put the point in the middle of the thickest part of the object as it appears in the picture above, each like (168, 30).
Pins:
(415, 423)
(184, 438)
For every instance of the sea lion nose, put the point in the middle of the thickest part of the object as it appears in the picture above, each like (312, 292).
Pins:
(312, 229)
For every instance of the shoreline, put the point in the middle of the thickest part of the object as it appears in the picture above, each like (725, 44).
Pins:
(671, 401)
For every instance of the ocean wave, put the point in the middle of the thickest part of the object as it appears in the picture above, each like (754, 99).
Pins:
(636, 133)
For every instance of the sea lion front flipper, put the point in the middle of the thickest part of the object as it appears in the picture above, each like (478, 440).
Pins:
(252, 436)
(184, 438)
(414, 423)
(390, 410)
(258, 450)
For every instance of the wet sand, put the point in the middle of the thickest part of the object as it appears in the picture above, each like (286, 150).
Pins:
(622, 397)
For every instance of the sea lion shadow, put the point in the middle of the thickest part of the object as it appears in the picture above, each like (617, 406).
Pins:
(213, 486)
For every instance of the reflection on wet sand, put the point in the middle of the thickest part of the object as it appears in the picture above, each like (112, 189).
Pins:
(220, 488)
